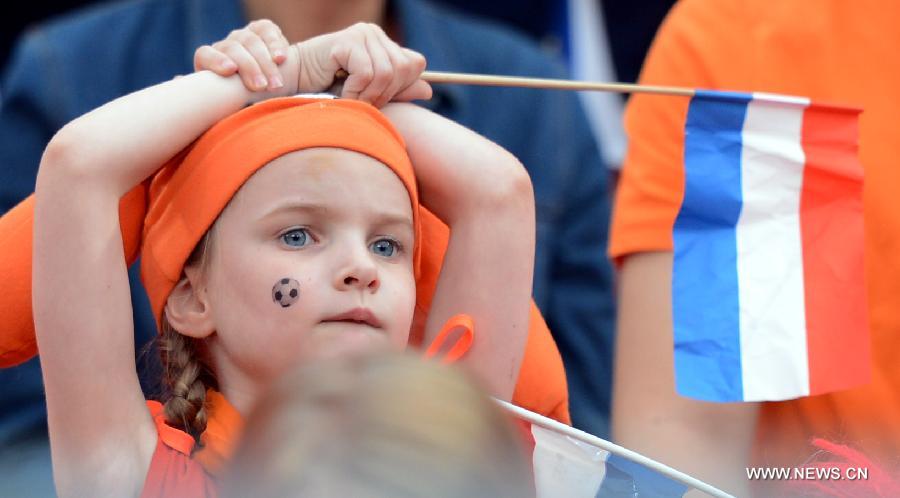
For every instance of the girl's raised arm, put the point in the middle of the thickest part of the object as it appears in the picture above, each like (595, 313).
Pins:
(102, 437)
(101, 434)
(484, 194)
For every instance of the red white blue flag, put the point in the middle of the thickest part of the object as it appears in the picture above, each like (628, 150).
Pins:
(574, 464)
(768, 290)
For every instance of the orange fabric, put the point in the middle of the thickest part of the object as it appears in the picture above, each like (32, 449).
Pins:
(176, 470)
(220, 438)
(17, 342)
(831, 51)
(185, 197)
(172, 472)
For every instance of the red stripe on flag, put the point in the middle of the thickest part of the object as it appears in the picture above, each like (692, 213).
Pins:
(831, 223)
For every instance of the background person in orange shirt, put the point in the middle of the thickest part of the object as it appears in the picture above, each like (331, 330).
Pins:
(830, 51)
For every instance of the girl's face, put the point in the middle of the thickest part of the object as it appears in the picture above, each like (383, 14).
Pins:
(313, 256)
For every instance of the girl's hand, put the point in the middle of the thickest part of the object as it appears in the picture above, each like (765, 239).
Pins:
(254, 52)
(379, 70)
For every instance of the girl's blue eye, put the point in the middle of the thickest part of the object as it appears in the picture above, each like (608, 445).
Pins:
(297, 237)
(385, 247)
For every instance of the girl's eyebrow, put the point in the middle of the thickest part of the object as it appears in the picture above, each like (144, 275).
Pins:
(294, 206)
(382, 218)
(390, 219)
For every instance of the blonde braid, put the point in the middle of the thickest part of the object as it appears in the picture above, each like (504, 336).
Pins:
(186, 375)
(186, 378)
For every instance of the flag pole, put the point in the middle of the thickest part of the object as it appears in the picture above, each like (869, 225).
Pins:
(548, 423)
(543, 83)
(550, 84)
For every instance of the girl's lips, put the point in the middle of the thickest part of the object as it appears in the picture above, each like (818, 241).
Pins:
(356, 315)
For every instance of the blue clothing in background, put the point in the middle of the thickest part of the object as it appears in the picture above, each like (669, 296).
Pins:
(65, 68)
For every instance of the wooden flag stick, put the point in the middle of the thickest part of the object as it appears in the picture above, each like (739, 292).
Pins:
(545, 83)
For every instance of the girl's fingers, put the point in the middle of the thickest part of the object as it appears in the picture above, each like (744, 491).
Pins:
(272, 36)
(418, 90)
(416, 59)
(248, 68)
(378, 68)
(382, 69)
(403, 71)
(355, 59)
(208, 58)
(258, 49)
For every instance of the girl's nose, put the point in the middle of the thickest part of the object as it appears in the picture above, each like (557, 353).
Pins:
(360, 273)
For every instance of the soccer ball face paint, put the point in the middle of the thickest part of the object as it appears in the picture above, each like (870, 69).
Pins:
(286, 292)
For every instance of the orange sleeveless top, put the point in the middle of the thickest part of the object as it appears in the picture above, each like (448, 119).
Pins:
(176, 470)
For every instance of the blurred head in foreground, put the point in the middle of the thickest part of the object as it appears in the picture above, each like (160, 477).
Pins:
(378, 426)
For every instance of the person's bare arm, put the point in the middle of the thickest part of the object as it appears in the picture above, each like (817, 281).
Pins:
(101, 434)
(484, 194)
(711, 441)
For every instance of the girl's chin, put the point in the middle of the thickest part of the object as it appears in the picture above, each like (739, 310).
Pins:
(336, 341)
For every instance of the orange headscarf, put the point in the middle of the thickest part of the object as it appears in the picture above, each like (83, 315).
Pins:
(163, 220)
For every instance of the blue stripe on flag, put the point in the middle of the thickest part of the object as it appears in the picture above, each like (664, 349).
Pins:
(625, 478)
(704, 276)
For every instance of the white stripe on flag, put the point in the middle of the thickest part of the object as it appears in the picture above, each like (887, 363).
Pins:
(565, 466)
(774, 361)
(564, 437)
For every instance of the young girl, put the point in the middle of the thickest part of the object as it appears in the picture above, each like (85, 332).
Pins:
(288, 228)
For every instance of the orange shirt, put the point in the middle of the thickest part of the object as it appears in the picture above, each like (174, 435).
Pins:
(176, 470)
(831, 51)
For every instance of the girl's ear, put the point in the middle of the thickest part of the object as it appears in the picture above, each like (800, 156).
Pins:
(187, 308)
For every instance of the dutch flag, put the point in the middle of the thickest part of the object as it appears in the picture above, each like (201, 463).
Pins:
(768, 290)
(571, 463)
